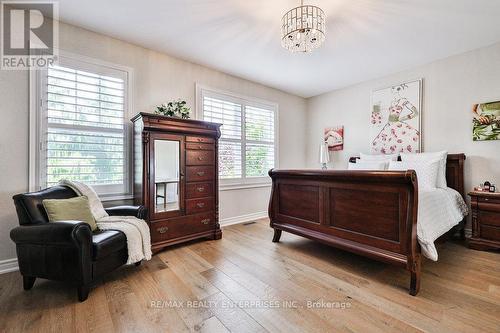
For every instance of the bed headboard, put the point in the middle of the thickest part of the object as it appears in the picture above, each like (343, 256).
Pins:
(454, 171)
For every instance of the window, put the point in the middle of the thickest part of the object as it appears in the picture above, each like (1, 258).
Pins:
(247, 147)
(81, 126)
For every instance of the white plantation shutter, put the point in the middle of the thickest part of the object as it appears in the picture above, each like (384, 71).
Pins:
(224, 112)
(259, 130)
(83, 126)
(218, 110)
(247, 144)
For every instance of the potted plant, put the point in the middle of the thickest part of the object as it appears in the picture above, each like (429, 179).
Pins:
(175, 108)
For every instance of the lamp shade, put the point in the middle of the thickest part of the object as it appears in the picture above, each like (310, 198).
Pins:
(324, 156)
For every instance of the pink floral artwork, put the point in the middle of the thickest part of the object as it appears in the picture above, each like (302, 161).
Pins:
(395, 119)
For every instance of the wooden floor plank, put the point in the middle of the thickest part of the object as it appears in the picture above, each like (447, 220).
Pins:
(234, 318)
(148, 294)
(232, 277)
(179, 264)
(212, 325)
(272, 319)
(175, 289)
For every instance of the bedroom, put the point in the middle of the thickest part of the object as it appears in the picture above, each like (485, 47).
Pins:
(226, 60)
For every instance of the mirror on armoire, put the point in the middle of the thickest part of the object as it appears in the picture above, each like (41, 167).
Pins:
(167, 175)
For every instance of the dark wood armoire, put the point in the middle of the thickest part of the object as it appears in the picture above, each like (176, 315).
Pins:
(176, 177)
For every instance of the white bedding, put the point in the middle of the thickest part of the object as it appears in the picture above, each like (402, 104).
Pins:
(438, 211)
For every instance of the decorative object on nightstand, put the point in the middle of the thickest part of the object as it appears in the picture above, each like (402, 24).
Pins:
(485, 187)
(485, 221)
(324, 156)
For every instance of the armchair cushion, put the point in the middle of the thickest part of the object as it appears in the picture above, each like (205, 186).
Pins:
(70, 209)
(106, 242)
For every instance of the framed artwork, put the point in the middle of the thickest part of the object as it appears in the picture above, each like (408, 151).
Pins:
(334, 137)
(486, 121)
(396, 118)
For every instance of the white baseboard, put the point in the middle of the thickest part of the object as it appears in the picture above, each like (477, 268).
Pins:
(9, 265)
(242, 218)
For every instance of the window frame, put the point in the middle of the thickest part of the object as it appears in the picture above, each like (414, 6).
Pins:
(244, 181)
(38, 125)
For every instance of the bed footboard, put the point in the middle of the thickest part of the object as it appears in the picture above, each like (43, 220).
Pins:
(371, 213)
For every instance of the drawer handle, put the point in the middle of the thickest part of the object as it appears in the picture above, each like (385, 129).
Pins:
(200, 189)
(200, 147)
(486, 199)
(162, 230)
(205, 221)
(200, 158)
(200, 173)
(200, 204)
(200, 140)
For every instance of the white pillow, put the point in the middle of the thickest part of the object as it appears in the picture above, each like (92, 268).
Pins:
(440, 155)
(368, 165)
(378, 157)
(427, 171)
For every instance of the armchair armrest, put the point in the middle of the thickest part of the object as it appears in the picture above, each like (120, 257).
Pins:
(64, 232)
(137, 211)
(42, 251)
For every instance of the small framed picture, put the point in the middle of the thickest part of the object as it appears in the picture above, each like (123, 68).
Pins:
(334, 137)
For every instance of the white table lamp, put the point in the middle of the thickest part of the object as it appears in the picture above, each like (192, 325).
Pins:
(324, 155)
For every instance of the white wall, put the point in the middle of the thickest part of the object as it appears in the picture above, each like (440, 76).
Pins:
(158, 78)
(451, 87)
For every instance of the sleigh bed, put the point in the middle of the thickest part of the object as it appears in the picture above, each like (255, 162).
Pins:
(371, 213)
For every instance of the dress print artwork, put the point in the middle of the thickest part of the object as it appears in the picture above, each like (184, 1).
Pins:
(395, 119)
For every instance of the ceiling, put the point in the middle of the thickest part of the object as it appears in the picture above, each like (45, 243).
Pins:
(365, 39)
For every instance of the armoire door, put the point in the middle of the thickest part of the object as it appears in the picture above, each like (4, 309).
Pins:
(166, 176)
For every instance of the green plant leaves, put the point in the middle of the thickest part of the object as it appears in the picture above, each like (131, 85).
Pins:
(175, 108)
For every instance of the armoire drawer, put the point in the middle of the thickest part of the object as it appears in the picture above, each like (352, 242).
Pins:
(194, 206)
(199, 190)
(199, 173)
(200, 157)
(181, 226)
(199, 139)
(199, 146)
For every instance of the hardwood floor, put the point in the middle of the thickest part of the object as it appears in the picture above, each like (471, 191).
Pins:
(309, 287)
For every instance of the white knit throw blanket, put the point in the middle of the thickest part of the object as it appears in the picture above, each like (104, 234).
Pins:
(136, 230)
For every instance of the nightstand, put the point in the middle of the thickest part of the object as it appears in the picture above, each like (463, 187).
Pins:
(485, 221)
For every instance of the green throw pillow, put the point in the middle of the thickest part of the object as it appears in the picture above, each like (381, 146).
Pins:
(70, 209)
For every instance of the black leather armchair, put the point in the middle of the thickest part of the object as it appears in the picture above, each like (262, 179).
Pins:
(69, 250)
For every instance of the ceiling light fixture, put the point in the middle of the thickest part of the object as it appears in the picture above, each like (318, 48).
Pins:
(303, 28)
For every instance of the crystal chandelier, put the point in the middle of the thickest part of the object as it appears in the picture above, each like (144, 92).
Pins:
(303, 28)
